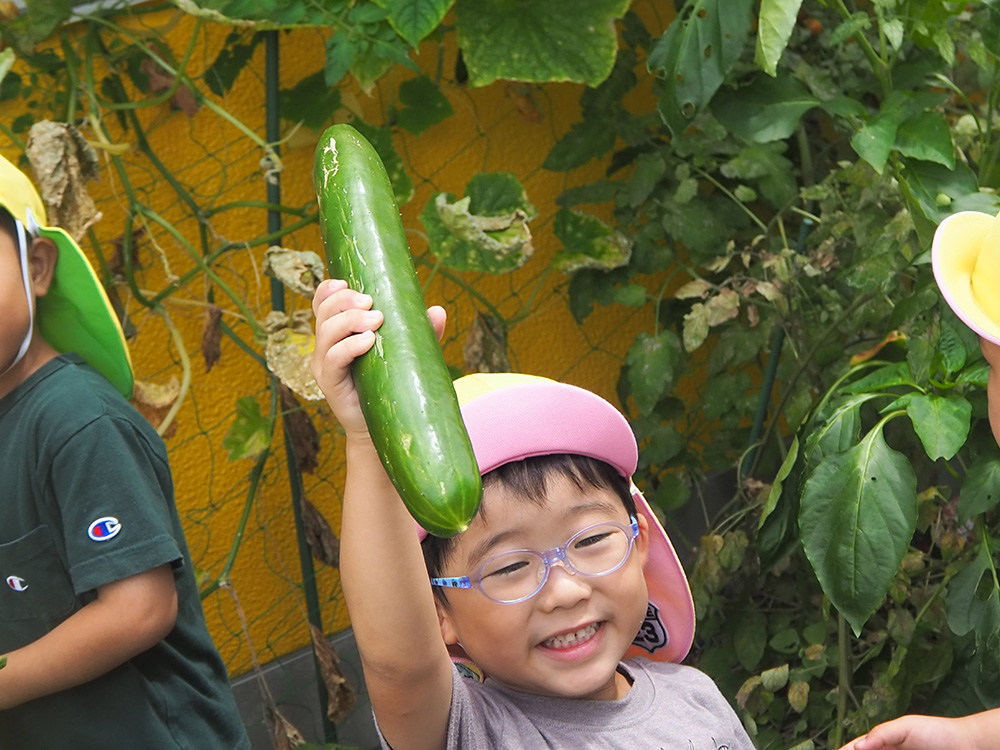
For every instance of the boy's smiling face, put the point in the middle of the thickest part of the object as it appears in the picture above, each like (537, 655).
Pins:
(517, 644)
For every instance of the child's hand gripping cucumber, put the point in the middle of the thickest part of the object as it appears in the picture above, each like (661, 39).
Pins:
(403, 384)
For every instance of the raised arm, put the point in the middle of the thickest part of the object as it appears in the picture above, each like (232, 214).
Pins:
(386, 588)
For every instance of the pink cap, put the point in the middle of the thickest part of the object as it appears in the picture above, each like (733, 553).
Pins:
(511, 416)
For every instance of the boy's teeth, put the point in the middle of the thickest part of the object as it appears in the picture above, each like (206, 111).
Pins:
(570, 639)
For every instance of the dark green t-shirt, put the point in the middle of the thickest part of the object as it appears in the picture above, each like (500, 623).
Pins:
(86, 498)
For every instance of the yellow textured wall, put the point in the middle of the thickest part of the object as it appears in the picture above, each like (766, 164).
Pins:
(488, 132)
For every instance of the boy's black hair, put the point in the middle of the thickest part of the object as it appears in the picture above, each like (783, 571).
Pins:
(7, 224)
(527, 479)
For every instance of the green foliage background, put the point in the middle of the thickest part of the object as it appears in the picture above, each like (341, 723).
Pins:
(776, 209)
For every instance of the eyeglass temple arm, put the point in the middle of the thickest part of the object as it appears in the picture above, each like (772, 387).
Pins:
(461, 582)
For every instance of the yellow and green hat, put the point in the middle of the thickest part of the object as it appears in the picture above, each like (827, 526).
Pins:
(75, 315)
(966, 258)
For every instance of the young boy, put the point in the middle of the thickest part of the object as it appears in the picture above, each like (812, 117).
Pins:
(100, 618)
(563, 573)
(966, 260)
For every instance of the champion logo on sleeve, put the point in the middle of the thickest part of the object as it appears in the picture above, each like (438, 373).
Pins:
(104, 529)
(17, 583)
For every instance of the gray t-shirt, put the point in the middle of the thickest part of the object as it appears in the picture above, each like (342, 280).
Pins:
(669, 706)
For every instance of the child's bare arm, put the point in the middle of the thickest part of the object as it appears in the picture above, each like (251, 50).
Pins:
(407, 668)
(975, 732)
(128, 617)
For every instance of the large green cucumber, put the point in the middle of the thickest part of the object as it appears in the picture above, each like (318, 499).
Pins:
(404, 385)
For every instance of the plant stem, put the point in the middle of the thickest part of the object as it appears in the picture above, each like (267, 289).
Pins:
(844, 682)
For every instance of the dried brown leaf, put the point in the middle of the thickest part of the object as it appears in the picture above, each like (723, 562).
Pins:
(302, 433)
(319, 534)
(153, 401)
(284, 735)
(63, 161)
(160, 80)
(299, 270)
(341, 696)
(485, 347)
(211, 336)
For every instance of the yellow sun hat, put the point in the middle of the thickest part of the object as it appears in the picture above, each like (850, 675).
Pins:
(965, 255)
(75, 315)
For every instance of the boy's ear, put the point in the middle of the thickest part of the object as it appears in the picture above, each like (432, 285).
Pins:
(42, 258)
(642, 541)
(447, 625)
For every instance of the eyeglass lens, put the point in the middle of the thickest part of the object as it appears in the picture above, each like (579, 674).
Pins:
(595, 551)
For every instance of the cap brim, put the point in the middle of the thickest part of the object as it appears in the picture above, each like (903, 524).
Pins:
(76, 315)
(954, 251)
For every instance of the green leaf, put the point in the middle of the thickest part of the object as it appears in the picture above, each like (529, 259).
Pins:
(838, 432)
(423, 105)
(874, 141)
(230, 61)
(415, 19)
(601, 191)
(588, 139)
(527, 40)
(888, 376)
(310, 101)
(927, 137)
(942, 423)
(340, 53)
(777, 484)
(769, 109)
(750, 639)
(973, 600)
(774, 26)
(699, 49)
(774, 679)
(671, 493)
(250, 434)
(589, 243)
(485, 231)
(980, 490)
(857, 516)
(653, 365)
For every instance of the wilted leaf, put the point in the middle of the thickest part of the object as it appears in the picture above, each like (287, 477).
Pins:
(301, 431)
(250, 434)
(154, 400)
(340, 693)
(864, 356)
(485, 347)
(694, 288)
(722, 307)
(588, 243)
(160, 80)
(299, 270)
(319, 534)
(63, 161)
(288, 351)
(485, 231)
(284, 735)
(695, 329)
(211, 336)
(798, 696)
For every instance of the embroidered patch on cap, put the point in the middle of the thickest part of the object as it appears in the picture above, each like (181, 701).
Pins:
(17, 583)
(652, 635)
(104, 529)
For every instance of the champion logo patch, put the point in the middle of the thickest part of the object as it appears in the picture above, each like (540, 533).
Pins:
(104, 529)
(17, 583)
